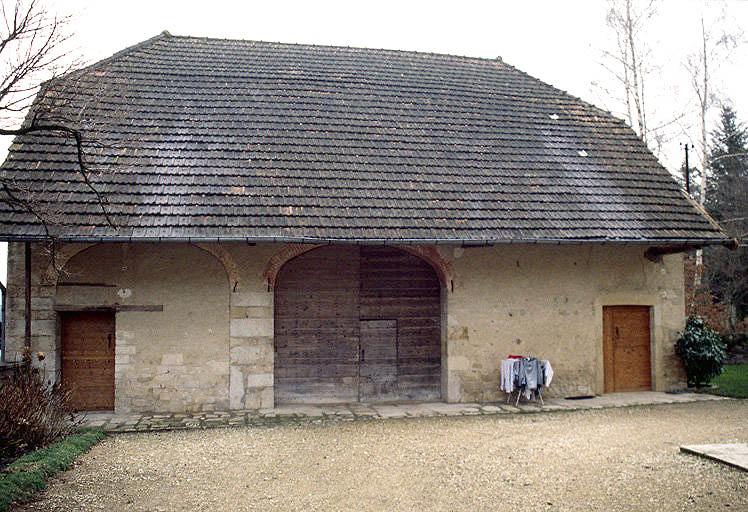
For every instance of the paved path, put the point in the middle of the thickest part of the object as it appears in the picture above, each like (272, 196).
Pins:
(734, 454)
(357, 411)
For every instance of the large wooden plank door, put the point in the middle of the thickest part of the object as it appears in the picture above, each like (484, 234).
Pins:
(398, 285)
(88, 359)
(378, 361)
(626, 348)
(357, 323)
(317, 327)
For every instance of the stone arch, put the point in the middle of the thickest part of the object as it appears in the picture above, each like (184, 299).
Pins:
(63, 254)
(288, 252)
(227, 261)
(429, 254)
(179, 317)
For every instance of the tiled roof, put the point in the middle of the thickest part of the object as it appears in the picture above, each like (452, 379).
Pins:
(209, 138)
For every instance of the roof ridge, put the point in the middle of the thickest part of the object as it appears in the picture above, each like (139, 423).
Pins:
(342, 47)
(497, 59)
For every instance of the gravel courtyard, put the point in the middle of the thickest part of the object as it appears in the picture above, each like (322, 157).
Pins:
(611, 459)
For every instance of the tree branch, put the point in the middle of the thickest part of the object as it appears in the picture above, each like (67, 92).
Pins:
(84, 170)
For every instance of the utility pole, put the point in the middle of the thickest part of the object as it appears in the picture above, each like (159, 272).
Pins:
(687, 170)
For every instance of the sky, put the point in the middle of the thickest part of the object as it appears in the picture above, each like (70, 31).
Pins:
(560, 42)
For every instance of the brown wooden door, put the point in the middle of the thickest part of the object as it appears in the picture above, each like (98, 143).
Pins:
(626, 348)
(378, 361)
(357, 323)
(316, 327)
(88, 359)
(397, 285)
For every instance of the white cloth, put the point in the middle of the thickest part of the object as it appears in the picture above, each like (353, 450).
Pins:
(548, 372)
(507, 375)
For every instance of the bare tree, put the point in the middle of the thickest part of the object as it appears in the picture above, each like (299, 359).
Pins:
(716, 44)
(33, 54)
(629, 62)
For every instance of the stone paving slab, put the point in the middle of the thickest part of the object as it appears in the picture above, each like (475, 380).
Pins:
(140, 422)
(732, 454)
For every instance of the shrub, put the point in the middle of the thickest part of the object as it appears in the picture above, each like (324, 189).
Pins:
(32, 412)
(702, 351)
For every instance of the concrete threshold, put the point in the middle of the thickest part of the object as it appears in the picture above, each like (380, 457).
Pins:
(735, 454)
(305, 413)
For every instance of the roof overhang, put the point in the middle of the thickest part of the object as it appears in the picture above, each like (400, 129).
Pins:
(657, 247)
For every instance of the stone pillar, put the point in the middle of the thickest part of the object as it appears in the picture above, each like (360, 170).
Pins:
(251, 350)
(43, 315)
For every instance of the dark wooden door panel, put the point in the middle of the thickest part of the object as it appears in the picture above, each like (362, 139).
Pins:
(378, 373)
(88, 359)
(316, 326)
(357, 323)
(398, 285)
(626, 348)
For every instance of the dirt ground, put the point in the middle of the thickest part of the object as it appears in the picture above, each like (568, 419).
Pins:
(612, 459)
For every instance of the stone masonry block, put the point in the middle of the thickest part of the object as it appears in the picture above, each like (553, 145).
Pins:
(251, 354)
(125, 349)
(259, 380)
(172, 359)
(267, 398)
(260, 398)
(236, 388)
(251, 312)
(252, 299)
(251, 341)
(121, 359)
(253, 400)
(250, 327)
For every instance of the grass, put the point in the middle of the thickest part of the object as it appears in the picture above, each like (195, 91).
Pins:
(733, 381)
(29, 473)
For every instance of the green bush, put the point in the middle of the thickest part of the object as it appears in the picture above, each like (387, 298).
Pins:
(702, 351)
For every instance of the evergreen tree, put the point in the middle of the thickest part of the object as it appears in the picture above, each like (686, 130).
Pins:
(727, 201)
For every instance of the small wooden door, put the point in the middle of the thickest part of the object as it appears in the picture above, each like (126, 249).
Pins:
(88, 359)
(626, 352)
(378, 361)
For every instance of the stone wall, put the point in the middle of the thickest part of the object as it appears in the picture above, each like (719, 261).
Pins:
(546, 301)
(43, 316)
(176, 359)
(212, 345)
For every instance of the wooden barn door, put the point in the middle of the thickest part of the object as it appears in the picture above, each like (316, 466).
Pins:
(357, 324)
(402, 288)
(88, 359)
(378, 361)
(317, 327)
(626, 348)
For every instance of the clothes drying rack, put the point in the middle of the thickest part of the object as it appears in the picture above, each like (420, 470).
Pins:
(538, 392)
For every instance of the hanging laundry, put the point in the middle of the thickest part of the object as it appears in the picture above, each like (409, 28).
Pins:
(547, 373)
(508, 375)
(527, 375)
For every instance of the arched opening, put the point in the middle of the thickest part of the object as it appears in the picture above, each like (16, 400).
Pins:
(357, 324)
(145, 325)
